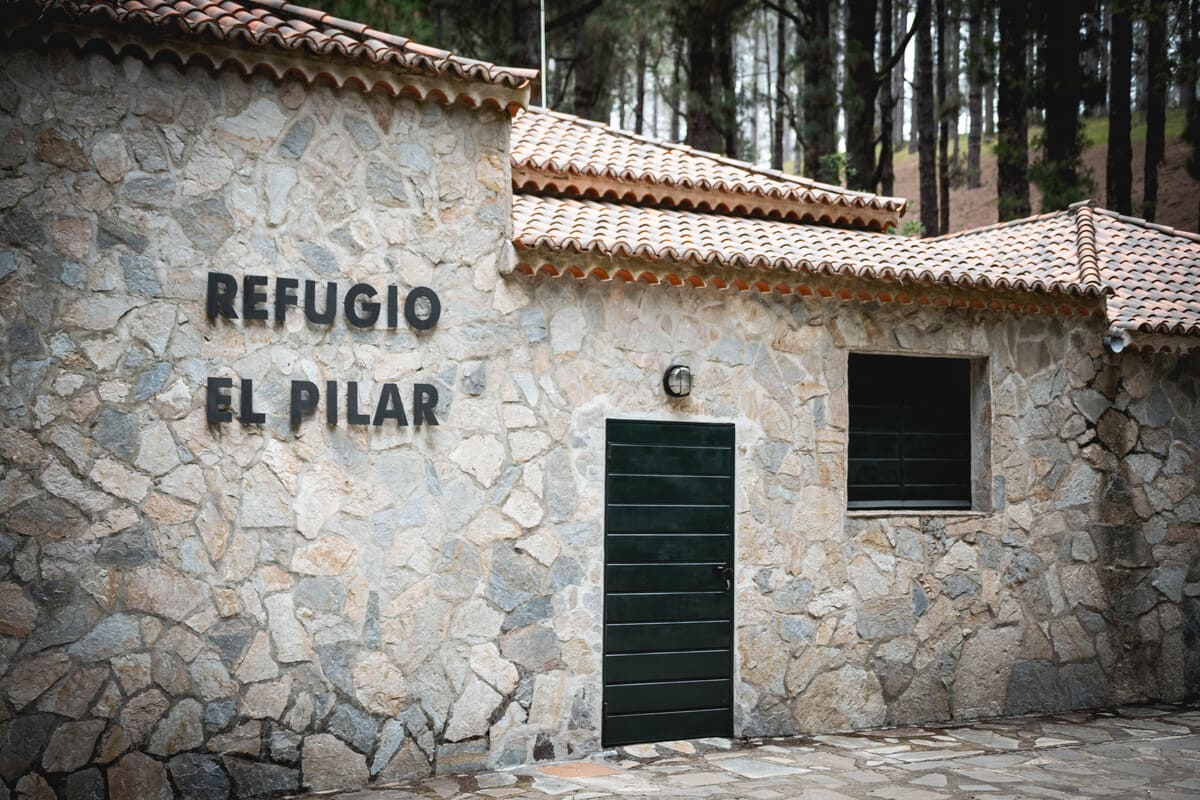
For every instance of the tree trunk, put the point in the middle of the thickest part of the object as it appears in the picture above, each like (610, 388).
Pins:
(953, 97)
(1156, 102)
(899, 26)
(725, 111)
(1119, 170)
(1189, 56)
(595, 44)
(1093, 61)
(915, 106)
(525, 44)
(858, 94)
(1059, 173)
(887, 103)
(976, 78)
(750, 108)
(675, 92)
(926, 129)
(1191, 133)
(989, 89)
(1012, 145)
(639, 100)
(943, 114)
(819, 96)
(777, 127)
(711, 92)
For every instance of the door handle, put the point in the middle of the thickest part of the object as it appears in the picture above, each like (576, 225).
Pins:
(724, 571)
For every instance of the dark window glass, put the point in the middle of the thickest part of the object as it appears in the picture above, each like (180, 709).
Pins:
(910, 432)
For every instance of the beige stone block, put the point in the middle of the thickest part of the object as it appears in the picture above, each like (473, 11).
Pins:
(167, 510)
(116, 479)
(266, 700)
(27, 680)
(981, 679)
(546, 707)
(329, 555)
(164, 592)
(257, 663)
(379, 684)
(327, 763)
(482, 457)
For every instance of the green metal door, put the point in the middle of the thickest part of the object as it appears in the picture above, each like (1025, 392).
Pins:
(668, 572)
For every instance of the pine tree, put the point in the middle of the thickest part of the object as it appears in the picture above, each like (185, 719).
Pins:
(1119, 171)
(1060, 173)
(1157, 74)
(1012, 140)
(927, 129)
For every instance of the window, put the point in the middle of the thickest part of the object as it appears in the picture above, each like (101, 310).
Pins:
(910, 432)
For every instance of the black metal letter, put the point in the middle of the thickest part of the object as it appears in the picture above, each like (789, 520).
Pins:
(305, 396)
(284, 296)
(370, 308)
(310, 302)
(425, 398)
(393, 306)
(352, 414)
(410, 309)
(216, 398)
(331, 403)
(246, 413)
(222, 289)
(390, 406)
(253, 296)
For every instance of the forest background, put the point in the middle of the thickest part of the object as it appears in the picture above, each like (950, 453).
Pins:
(976, 110)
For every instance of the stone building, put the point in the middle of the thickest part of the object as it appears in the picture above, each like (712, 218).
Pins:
(340, 443)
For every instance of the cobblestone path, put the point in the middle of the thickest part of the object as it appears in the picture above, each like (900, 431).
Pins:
(1140, 752)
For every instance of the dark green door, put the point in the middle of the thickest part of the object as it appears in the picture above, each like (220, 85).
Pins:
(668, 574)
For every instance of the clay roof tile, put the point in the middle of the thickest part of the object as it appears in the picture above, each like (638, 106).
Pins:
(291, 28)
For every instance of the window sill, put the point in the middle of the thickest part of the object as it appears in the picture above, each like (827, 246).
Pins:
(870, 513)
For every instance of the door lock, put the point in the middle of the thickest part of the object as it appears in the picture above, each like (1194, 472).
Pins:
(725, 571)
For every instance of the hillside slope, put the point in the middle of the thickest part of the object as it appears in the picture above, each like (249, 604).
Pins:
(1179, 195)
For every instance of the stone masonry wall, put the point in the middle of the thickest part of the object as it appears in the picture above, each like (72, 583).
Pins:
(256, 609)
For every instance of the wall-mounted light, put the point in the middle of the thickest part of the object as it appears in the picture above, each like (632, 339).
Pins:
(1116, 339)
(677, 380)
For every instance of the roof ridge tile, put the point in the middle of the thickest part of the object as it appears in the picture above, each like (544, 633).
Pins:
(1085, 246)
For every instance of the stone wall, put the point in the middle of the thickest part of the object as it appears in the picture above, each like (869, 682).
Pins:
(256, 609)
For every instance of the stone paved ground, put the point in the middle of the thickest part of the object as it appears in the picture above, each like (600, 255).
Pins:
(1151, 753)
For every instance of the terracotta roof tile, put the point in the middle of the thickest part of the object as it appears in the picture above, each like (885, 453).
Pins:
(749, 244)
(1155, 272)
(556, 153)
(271, 25)
(1151, 271)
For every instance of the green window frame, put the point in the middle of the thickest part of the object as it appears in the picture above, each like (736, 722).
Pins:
(910, 432)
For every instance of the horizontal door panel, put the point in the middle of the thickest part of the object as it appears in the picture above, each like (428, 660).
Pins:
(668, 696)
(666, 547)
(634, 667)
(638, 637)
(665, 490)
(665, 726)
(663, 578)
(673, 606)
(670, 519)
(643, 459)
(652, 432)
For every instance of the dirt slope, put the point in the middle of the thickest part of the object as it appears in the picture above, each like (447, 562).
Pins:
(1179, 195)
